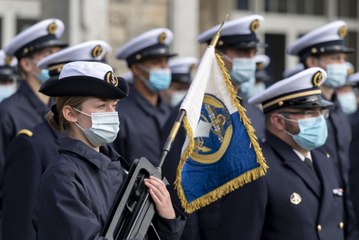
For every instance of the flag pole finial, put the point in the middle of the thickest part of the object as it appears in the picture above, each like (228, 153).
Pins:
(218, 33)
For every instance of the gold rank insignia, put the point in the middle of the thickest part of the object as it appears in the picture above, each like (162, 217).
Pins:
(8, 60)
(51, 29)
(111, 78)
(342, 32)
(317, 79)
(162, 37)
(255, 25)
(96, 51)
(295, 198)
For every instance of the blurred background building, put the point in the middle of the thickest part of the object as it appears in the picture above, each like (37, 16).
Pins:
(117, 21)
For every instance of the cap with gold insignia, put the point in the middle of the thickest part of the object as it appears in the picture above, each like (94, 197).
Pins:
(7, 66)
(154, 43)
(86, 79)
(326, 39)
(182, 68)
(262, 62)
(38, 36)
(95, 50)
(238, 34)
(299, 91)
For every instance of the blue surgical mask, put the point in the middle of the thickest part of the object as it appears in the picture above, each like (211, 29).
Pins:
(243, 70)
(43, 76)
(104, 128)
(159, 79)
(348, 102)
(313, 132)
(337, 75)
(7, 91)
(252, 89)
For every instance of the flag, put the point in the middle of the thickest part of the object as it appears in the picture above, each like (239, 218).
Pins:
(221, 152)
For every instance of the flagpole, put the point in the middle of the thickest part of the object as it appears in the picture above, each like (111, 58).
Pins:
(176, 126)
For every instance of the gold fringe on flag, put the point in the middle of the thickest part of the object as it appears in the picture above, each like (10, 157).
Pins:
(234, 183)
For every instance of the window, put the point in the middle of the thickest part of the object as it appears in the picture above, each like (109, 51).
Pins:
(242, 4)
(308, 7)
(22, 24)
(276, 51)
(347, 8)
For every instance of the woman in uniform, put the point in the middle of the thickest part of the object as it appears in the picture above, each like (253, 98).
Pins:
(78, 188)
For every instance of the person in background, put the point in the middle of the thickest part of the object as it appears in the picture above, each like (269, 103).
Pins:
(8, 79)
(32, 150)
(182, 71)
(300, 196)
(79, 186)
(262, 77)
(345, 94)
(27, 107)
(144, 112)
(325, 47)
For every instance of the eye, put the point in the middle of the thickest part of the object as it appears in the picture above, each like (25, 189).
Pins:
(102, 106)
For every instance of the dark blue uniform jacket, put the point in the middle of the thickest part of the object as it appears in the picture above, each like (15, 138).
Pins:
(141, 125)
(263, 209)
(77, 191)
(27, 159)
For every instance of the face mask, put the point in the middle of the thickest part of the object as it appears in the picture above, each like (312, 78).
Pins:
(348, 102)
(177, 97)
(337, 75)
(104, 129)
(252, 89)
(43, 76)
(243, 70)
(160, 79)
(7, 91)
(313, 132)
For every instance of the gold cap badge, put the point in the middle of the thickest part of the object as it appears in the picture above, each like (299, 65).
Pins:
(317, 79)
(96, 51)
(8, 60)
(162, 37)
(51, 29)
(255, 25)
(342, 32)
(111, 78)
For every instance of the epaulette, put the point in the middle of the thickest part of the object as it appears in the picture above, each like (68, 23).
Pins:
(26, 132)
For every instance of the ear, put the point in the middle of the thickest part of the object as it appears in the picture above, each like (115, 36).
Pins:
(69, 114)
(26, 64)
(311, 61)
(277, 122)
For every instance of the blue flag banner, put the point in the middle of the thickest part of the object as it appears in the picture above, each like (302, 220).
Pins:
(221, 152)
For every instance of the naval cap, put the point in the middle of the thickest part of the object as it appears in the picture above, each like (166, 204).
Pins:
(95, 50)
(38, 36)
(181, 68)
(7, 66)
(239, 33)
(299, 91)
(153, 43)
(326, 39)
(86, 79)
(262, 62)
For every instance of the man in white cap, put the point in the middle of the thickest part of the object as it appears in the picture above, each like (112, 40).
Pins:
(324, 47)
(7, 76)
(143, 113)
(238, 45)
(32, 149)
(27, 107)
(300, 196)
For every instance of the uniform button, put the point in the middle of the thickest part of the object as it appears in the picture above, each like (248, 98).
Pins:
(319, 228)
(341, 225)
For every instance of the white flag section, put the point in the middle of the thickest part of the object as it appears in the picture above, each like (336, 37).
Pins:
(221, 152)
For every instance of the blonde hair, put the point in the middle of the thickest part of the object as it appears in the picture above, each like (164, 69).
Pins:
(55, 117)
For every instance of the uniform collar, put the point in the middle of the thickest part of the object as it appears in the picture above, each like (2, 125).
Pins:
(79, 149)
(145, 105)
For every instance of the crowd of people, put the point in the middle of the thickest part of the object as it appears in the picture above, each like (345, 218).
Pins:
(70, 130)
